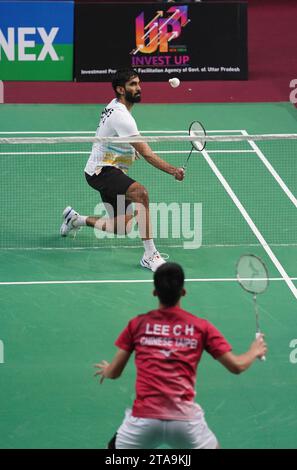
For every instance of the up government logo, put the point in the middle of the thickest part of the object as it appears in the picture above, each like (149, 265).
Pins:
(157, 33)
(17, 44)
(1, 352)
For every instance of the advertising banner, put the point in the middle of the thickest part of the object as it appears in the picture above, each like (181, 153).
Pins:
(36, 40)
(198, 41)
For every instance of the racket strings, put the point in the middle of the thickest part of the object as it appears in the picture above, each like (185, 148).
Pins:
(197, 131)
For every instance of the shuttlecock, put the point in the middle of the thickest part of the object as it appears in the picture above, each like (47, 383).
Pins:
(174, 82)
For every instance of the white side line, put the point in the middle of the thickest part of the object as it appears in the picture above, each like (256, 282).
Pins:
(133, 247)
(121, 281)
(250, 222)
(270, 168)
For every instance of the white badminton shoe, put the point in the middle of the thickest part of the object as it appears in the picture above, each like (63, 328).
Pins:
(69, 216)
(152, 262)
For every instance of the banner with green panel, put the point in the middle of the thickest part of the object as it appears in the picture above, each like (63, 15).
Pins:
(36, 40)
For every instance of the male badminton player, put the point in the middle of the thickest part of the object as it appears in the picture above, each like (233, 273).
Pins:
(168, 344)
(107, 167)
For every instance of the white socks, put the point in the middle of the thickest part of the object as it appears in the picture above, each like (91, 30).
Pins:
(149, 247)
(80, 221)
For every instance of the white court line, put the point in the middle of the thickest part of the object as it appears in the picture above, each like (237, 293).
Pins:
(124, 281)
(271, 169)
(250, 222)
(136, 247)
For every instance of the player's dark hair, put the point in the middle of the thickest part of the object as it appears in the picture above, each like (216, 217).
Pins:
(121, 77)
(169, 282)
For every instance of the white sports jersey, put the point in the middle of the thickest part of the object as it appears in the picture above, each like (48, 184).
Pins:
(115, 121)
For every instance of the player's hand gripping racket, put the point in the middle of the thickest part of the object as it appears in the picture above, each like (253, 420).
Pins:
(253, 277)
(197, 131)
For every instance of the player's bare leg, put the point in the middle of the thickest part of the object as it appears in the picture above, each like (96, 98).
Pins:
(120, 225)
(139, 195)
(73, 221)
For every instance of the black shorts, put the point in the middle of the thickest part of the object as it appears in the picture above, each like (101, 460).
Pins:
(112, 182)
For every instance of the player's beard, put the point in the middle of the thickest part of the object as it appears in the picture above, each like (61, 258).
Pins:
(133, 98)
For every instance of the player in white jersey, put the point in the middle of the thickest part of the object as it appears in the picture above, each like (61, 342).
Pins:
(107, 167)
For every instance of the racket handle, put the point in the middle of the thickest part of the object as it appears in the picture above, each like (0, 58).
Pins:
(262, 358)
(184, 168)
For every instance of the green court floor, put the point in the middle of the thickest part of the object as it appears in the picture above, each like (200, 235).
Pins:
(64, 302)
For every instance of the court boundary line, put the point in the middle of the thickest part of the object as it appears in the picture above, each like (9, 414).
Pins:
(134, 247)
(271, 169)
(250, 222)
(125, 281)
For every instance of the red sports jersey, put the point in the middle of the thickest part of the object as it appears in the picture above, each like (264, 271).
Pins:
(168, 345)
